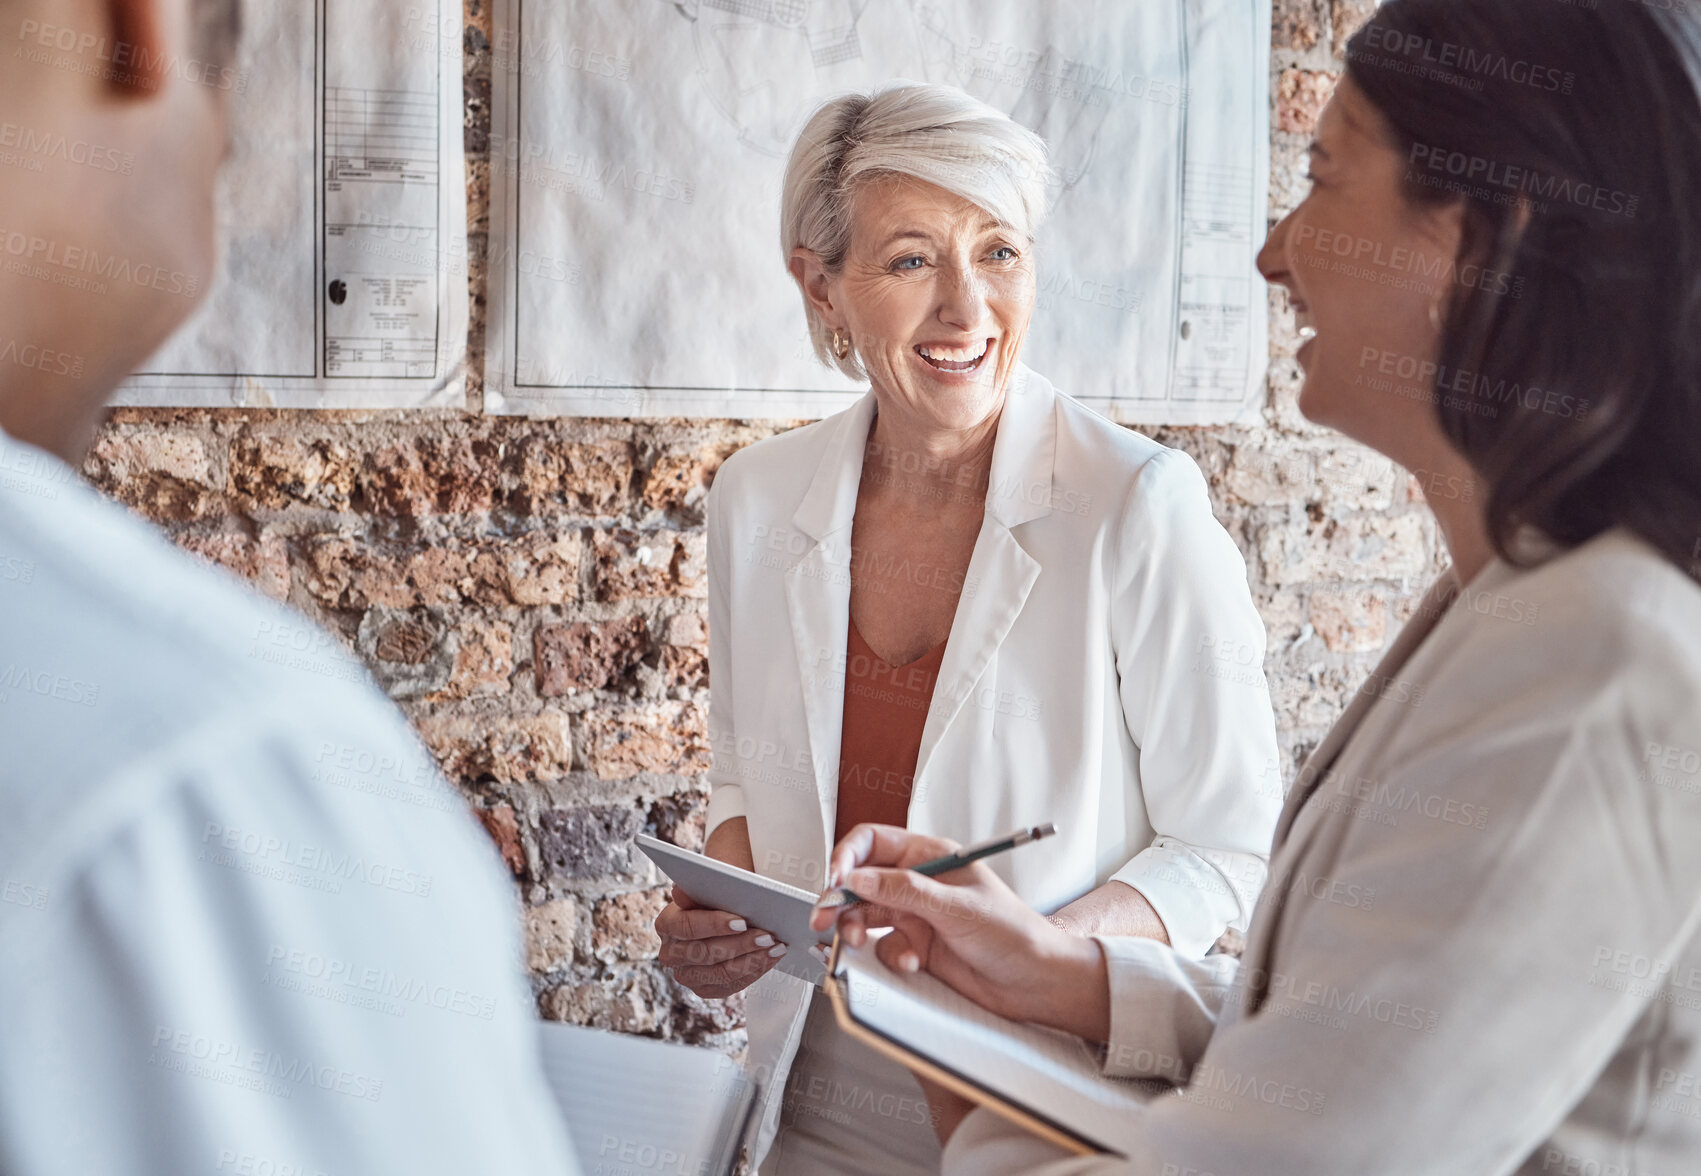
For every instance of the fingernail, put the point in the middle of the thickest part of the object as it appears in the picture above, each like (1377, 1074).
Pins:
(777, 951)
(764, 940)
(908, 961)
(739, 925)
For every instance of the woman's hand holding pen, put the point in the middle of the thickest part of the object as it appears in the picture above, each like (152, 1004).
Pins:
(969, 929)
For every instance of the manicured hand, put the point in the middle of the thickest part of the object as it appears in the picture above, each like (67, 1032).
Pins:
(713, 953)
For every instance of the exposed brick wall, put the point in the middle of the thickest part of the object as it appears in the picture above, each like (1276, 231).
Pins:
(532, 592)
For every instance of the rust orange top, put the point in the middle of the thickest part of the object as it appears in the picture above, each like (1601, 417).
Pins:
(885, 711)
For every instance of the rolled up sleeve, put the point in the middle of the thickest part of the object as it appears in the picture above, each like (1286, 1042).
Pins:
(1190, 662)
(1163, 1007)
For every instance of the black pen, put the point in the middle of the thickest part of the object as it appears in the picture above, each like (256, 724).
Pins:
(951, 861)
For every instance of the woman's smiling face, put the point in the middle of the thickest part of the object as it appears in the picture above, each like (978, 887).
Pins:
(1368, 274)
(936, 297)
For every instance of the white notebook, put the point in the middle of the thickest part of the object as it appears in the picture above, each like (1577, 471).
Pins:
(765, 904)
(635, 1104)
(1046, 1081)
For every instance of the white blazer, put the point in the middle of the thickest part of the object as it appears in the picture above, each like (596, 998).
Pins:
(1103, 671)
(1479, 949)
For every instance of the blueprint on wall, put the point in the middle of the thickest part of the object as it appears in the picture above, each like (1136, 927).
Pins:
(638, 154)
(342, 277)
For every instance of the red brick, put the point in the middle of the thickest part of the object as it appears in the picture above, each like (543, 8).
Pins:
(166, 475)
(655, 563)
(624, 926)
(484, 658)
(540, 568)
(551, 931)
(532, 569)
(1354, 621)
(670, 739)
(504, 748)
(273, 471)
(430, 475)
(350, 573)
(684, 657)
(504, 829)
(681, 818)
(592, 478)
(587, 656)
(1345, 18)
(1296, 24)
(679, 479)
(634, 1004)
(1301, 95)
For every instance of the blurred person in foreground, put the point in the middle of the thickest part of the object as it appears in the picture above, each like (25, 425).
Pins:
(1480, 947)
(245, 926)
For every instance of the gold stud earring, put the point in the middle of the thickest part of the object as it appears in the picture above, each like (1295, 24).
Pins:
(841, 345)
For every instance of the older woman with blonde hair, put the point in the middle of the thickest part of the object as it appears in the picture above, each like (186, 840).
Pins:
(964, 605)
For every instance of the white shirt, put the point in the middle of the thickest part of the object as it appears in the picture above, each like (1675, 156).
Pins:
(244, 926)
(1479, 949)
(1103, 672)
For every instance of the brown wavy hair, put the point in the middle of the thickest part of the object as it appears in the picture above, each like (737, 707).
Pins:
(1573, 136)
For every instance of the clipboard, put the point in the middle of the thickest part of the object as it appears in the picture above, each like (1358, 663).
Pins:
(1079, 1137)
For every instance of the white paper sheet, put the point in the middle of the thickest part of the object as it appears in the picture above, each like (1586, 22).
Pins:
(342, 279)
(1050, 1074)
(639, 149)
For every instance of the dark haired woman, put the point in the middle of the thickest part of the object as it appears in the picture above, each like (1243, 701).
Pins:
(1479, 950)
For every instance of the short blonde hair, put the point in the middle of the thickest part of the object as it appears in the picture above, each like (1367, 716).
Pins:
(928, 132)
